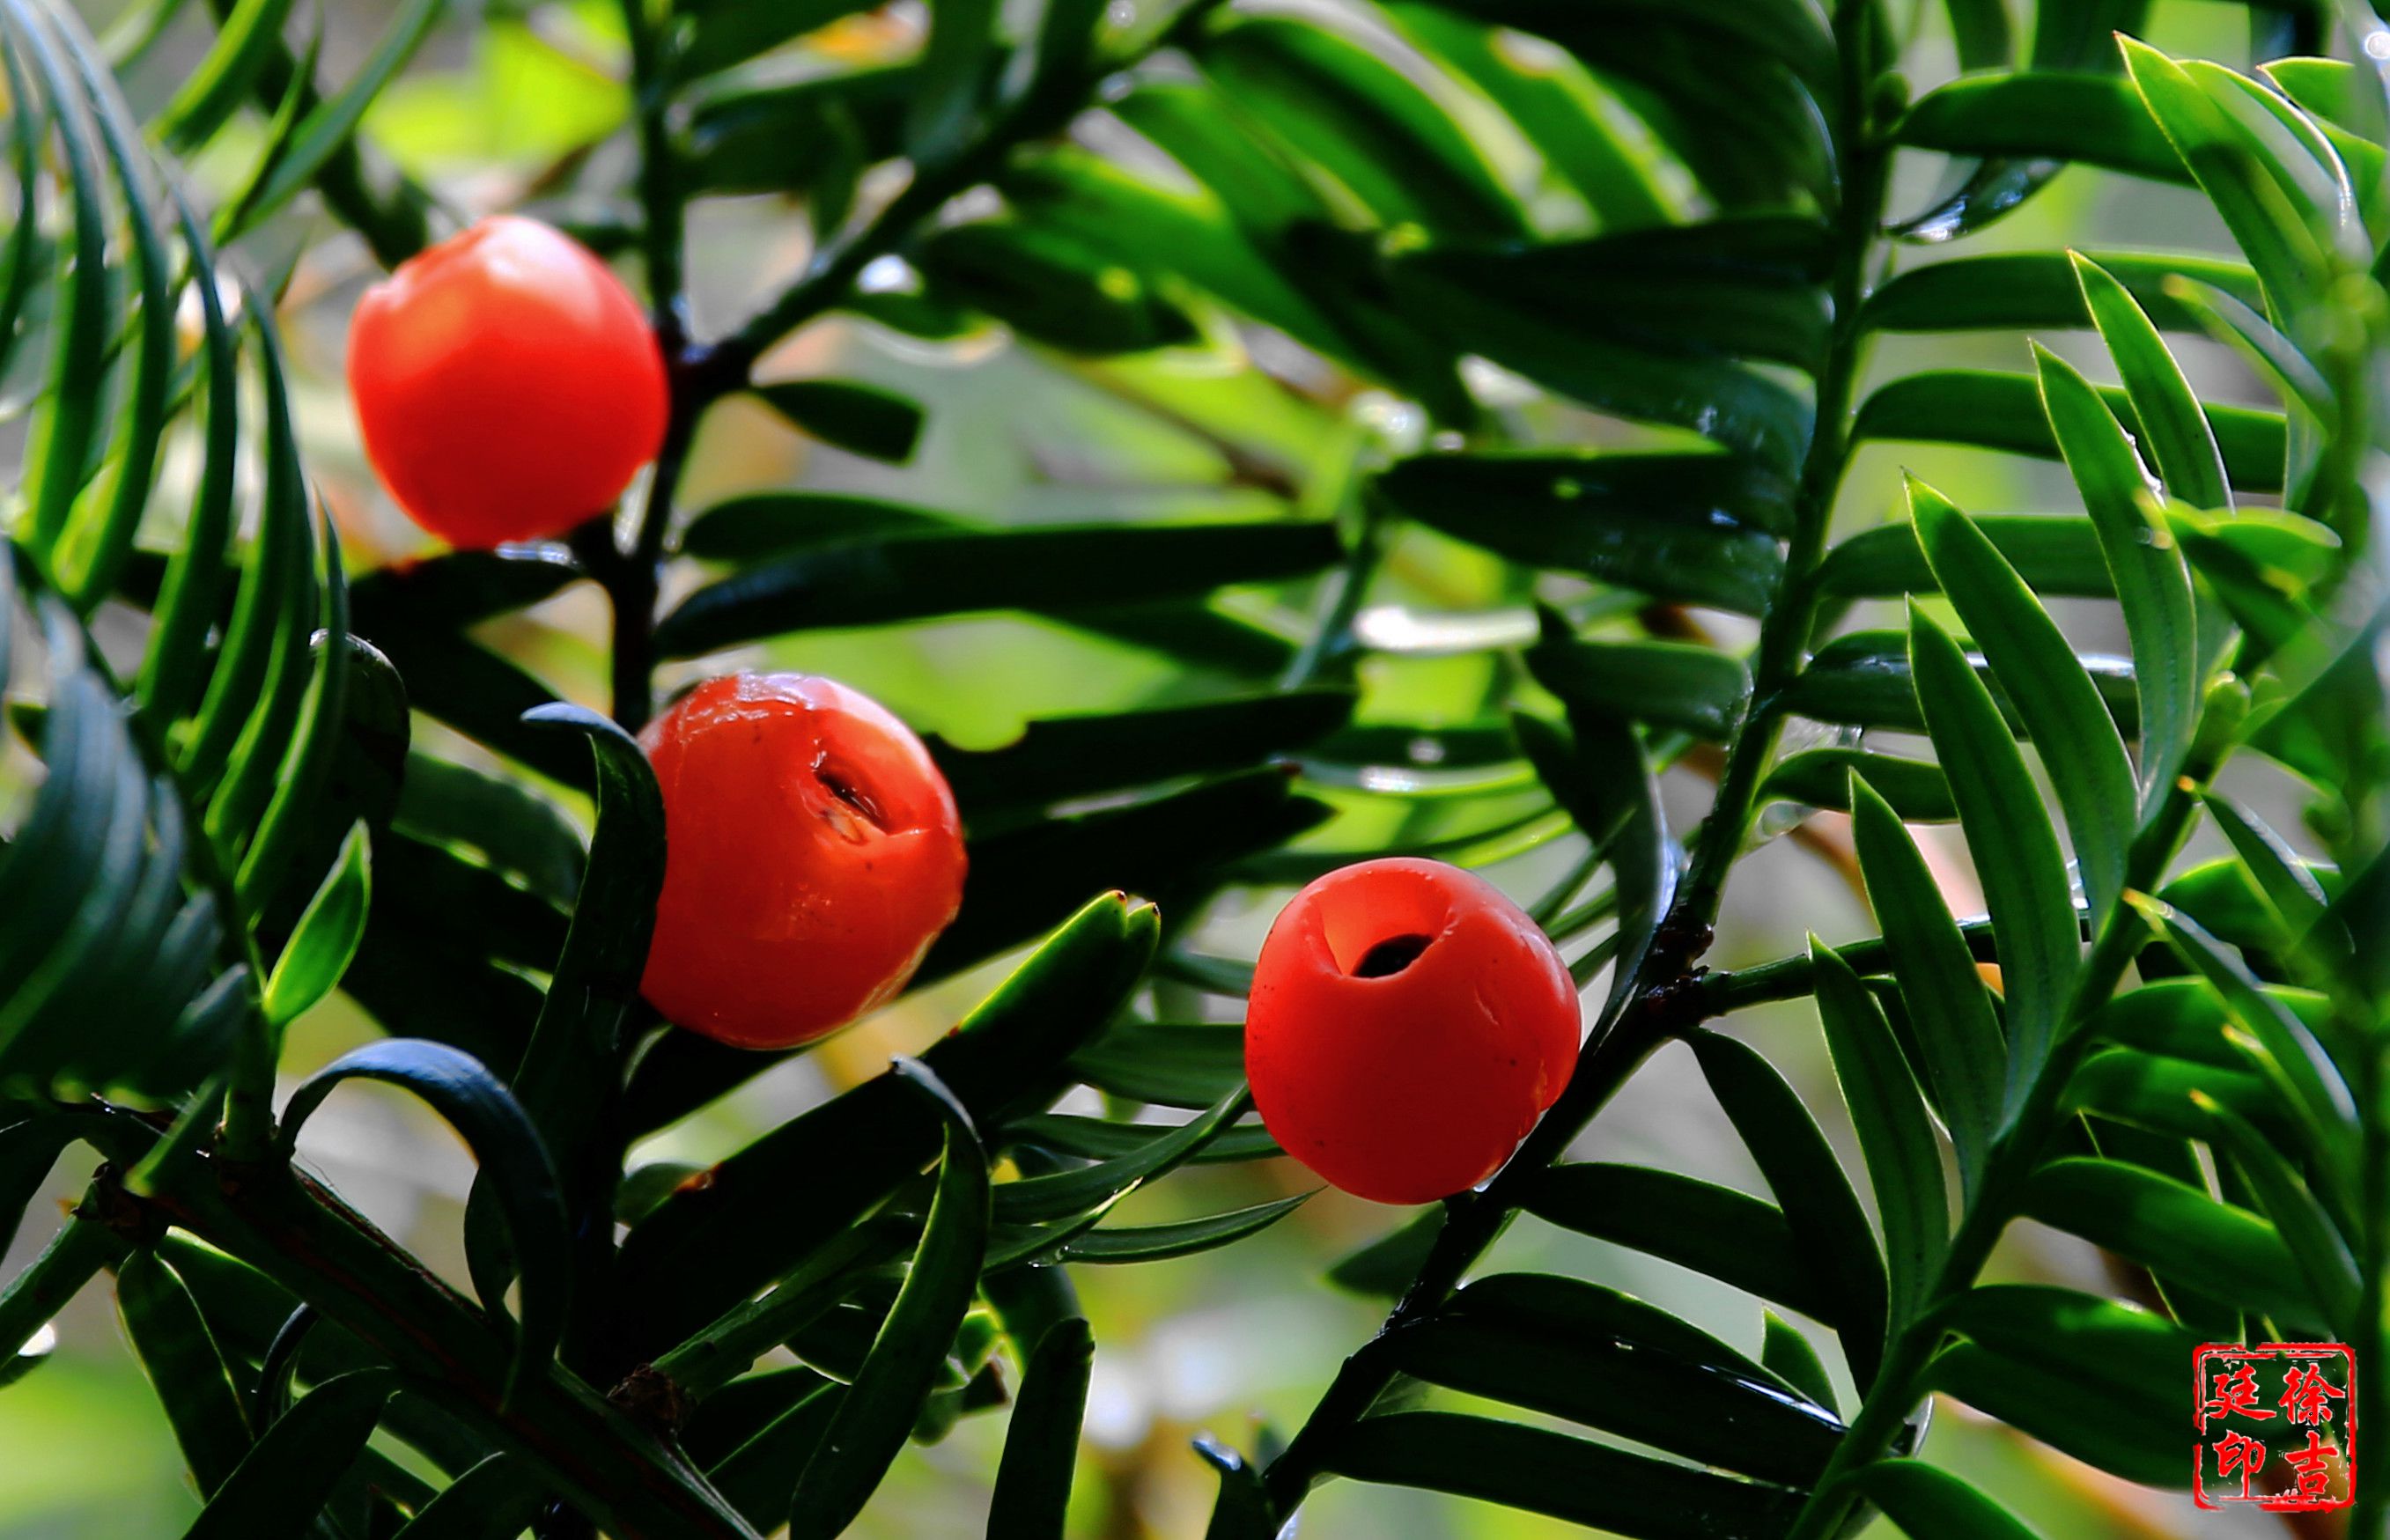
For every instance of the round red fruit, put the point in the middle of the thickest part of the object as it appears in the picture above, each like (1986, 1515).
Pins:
(506, 384)
(813, 852)
(1408, 1025)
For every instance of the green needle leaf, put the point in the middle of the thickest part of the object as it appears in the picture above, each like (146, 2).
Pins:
(2234, 321)
(575, 1047)
(213, 91)
(2096, 1379)
(184, 1367)
(507, 1146)
(879, 1408)
(1727, 1235)
(2017, 854)
(2151, 584)
(2286, 234)
(326, 936)
(2282, 1047)
(305, 763)
(58, 447)
(1167, 1064)
(2072, 731)
(494, 1500)
(1957, 1031)
(1159, 1242)
(2056, 554)
(2320, 1095)
(1926, 1500)
(916, 576)
(1598, 772)
(101, 542)
(271, 602)
(327, 130)
(1664, 684)
(1041, 1447)
(2316, 1240)
(1576, 1351)
(760, 1214)
(1828, 1226)
(2178, 1231)
(1359, 116)
(864, 419)
(518, 830)
(291, 1473)
(1997, 410)
(2178, 436)
(1556, 102)
(2286, 882)
(2044, 115)
(1915, 789)
(1037, 1198)
(1682, 524)
(172, 670)
(1896, 1137)
(948, 82)
(2038, 290)
(1786, 1353)
(1552, 1474)
(1242, 1510)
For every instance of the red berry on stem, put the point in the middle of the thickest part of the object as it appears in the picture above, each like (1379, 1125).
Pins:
(813, 852)
(507, 385)
(1408, 1025)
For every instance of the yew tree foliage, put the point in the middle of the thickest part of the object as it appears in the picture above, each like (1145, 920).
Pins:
(1687, 240)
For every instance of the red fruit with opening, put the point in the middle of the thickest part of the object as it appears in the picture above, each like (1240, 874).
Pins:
(507, 385)
(1408, 1025)
(813, 853)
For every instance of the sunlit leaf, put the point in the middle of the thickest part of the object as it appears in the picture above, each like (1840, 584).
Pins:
(325, 937)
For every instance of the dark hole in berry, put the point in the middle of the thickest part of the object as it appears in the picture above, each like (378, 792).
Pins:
(853, 796)
(1391, 955)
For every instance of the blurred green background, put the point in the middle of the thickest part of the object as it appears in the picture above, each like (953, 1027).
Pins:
(1223, 1341)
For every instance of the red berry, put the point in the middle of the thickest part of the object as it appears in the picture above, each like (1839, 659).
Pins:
(506, 384)
(1408, 1025)
(813, 853)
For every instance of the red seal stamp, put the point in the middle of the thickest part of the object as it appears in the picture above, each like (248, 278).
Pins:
(2277, 1426)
